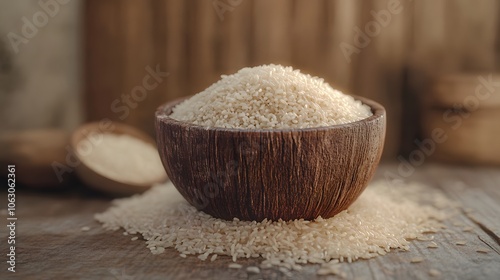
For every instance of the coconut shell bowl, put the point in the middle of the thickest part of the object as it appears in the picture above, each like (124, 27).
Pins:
(271, 174)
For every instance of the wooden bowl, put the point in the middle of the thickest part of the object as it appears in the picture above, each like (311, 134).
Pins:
(98, 181)
(271, 174)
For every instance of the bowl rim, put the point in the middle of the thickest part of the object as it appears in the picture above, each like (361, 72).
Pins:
(163, 112)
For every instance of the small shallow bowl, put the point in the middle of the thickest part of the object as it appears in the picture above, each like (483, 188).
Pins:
(97, 180)
(271, 174)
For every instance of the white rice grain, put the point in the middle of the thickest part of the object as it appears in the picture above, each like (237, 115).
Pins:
(467, 229)
(253, 269)
(434, 272)
(270, 97)
(432, 245)
(85, 228)
(235, 265)
(483, 250)
(166, 220)
(417, 260)
(286, 271)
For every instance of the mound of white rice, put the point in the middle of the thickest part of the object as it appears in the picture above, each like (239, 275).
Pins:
(383, 218)
(270, 97)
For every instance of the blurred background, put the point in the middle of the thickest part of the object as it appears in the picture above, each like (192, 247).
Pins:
(432, 63)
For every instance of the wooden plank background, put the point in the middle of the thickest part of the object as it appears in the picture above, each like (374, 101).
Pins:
(196, 44)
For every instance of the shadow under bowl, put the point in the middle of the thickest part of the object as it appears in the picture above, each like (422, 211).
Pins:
(273, 173)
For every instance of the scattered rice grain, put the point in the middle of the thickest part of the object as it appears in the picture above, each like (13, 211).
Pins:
(235, 265)
(417, 260)
(432, 245)
(286, 271)
(85, 228)
(458, 224)
(467, 229)
(434, 272)
(331, 270)
(483, 250)
(425, 238)
(253, 269)
(166, 220)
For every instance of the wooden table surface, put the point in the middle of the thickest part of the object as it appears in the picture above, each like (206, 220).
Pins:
(51, 244)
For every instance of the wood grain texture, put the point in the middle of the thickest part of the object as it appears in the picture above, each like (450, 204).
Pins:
(52, 246)
(337, 68)
(201, 41)
(308, 32)
(103, 30)
(275, 174)
(175, 48)
(271, 33)
(235, 39)
(120, 45)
